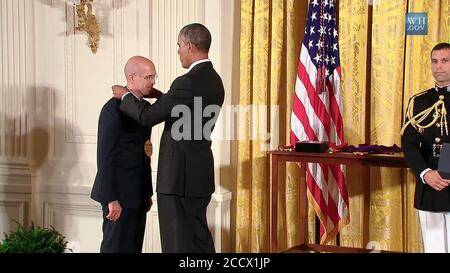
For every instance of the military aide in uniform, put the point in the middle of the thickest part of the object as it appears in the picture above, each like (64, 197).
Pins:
(425, 129)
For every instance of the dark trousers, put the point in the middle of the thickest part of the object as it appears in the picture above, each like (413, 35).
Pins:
(126, 234)
(182, 224)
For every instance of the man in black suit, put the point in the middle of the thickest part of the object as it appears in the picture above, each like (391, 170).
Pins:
(422, 138)
(123, 183)
(186, 166)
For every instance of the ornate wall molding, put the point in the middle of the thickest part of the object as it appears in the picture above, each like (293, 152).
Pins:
(15, 178)
(16, 87)
(168, 17)
(62, 201)
(74, 60)
(14, 63)
(79, 222)
(219, 214)
(69, 90)
(13, 207)
(21, 208)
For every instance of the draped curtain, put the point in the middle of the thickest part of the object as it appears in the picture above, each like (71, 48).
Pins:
(271, 33)
(269, 52)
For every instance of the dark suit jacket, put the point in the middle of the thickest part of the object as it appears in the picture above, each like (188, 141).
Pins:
(186, 164)
(123, 169)
(418, 150)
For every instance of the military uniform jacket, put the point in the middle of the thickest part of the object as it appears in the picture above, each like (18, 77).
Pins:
(418, 150)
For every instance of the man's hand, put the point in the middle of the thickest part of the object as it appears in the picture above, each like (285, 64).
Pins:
(115, 210)
(154, 94)
(118, 91)
(434, 179)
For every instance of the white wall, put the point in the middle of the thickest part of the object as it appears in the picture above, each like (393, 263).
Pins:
(52, 90)
(16, 90)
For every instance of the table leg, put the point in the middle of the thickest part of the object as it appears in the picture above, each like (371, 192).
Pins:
(366, 210)
(303, 204)
(274, 206)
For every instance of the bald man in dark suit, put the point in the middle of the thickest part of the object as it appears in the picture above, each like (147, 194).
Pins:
(123, 182)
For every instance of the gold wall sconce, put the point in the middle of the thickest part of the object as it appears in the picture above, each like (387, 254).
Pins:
(87, 22)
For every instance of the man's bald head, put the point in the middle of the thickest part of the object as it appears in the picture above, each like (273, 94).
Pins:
(140, 73)
(136, 65)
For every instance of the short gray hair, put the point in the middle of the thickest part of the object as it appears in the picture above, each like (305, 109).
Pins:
(198, 35)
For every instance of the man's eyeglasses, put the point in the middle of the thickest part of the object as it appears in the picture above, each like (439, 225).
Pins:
(149, 77)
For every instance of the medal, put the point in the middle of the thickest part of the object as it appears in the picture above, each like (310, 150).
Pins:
(148, 148)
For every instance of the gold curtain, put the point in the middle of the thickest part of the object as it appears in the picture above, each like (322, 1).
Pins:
(271, 33)
(388, 40)
(269, 53)
(353, 45)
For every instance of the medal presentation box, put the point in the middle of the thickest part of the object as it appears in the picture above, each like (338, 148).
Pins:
(311, 146)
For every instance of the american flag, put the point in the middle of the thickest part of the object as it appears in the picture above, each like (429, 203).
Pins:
(317, 115)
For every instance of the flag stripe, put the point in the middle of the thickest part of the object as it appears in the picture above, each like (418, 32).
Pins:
(301, 89)
(310, 114)
(340, 180)
(314, 100)
(300, 113)
(314, 188)
(336, 116)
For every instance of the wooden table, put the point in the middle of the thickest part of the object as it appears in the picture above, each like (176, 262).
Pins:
(380, 160)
